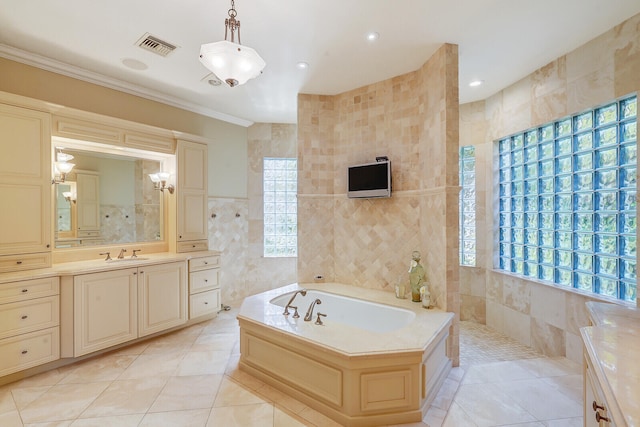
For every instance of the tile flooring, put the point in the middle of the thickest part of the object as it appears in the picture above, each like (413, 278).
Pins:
(190, 378)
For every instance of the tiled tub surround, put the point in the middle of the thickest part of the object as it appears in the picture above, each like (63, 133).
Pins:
(355, 376)
(612, 351)
(412, 119)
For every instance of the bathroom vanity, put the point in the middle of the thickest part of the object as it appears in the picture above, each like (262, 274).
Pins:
(611, 375)
(74, 309)
(60, 299)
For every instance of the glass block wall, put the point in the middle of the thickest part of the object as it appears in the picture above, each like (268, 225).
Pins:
(280, 187)
(567, 201)
(467, 221)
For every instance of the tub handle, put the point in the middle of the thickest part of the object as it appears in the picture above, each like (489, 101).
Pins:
(318, 320)
(295, 312)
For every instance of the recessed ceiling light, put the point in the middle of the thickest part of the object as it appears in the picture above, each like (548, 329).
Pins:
(476, 83)
(373, 36)
(302, 65)
(214, 82)
(134, 64)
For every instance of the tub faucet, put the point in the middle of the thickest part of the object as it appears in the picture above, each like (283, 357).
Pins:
(121, 254)
(309, 315)
(286, 307)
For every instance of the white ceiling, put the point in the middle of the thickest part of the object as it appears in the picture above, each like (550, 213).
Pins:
(500, 41)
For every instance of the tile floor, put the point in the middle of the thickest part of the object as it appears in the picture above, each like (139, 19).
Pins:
(190, 378)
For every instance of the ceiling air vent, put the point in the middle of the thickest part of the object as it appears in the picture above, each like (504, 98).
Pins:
(155, 45)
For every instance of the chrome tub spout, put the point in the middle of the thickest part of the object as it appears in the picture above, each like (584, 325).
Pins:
(309, 315)
(286, 307)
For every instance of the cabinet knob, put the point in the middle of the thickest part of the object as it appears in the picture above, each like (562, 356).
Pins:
(206, 263)
(25, 351)
(24, 317)
(206, 303)
(24, 291)
(18, 262)
(601, 418)
(206, 280)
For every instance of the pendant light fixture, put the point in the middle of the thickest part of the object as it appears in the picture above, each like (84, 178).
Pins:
(230, 61)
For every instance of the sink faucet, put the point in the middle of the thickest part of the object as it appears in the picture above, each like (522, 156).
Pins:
(309, 315)
(121, 254)
(286, 307)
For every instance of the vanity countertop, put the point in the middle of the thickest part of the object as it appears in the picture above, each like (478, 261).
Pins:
(613, 346)
(100, 265)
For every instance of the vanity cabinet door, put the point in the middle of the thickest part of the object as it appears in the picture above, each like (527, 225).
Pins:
(105, 309)
(25, 182)
(191, 192)
(162, 292)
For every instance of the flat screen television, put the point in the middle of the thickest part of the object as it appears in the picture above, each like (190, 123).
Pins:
(369, 180)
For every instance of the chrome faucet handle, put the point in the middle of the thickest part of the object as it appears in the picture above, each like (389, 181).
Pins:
(121, 254)
(134, 253)
(318, 320)
(108, 254)
(286, 310)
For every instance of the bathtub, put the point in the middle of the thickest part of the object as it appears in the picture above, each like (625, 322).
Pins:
(375, 360)
(367, 315)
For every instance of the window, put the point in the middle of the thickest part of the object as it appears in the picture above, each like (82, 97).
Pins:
(567, 201)
(280, 180)
(467, 221)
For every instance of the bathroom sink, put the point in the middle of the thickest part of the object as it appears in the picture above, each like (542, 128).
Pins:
(127, 259)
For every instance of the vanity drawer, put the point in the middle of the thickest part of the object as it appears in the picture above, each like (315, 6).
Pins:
(88, 233)
(204, 303)
(29, 350)
(203, 280)
(193, 246)
(29, 289)
(196, 264)
(25, 262)
(28, 316)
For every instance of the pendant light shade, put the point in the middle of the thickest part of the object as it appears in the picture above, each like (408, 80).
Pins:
(230, 61)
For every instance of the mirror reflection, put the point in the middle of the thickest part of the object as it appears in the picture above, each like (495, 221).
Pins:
(107, 199)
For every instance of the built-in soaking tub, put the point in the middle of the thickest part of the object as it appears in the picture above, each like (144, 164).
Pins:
(375, 360)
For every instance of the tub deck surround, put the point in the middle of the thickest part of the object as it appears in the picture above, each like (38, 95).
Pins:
(357, 377)
(612, 347)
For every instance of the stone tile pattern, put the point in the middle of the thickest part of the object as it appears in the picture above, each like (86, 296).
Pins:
(240, 238)
(544, 317)
(412, 119)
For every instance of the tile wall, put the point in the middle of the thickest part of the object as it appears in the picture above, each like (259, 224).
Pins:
(412, 119)
(235, 225)
(544, 317)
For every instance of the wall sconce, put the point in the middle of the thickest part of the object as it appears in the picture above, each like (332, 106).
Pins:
(70, 197)
(61, 167)
(160, 181)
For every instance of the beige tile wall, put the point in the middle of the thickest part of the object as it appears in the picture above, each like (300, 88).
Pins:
(236, 230)
(545, 317)
(412, 119)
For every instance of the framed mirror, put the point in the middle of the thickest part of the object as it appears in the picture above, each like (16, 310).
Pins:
(107, 198)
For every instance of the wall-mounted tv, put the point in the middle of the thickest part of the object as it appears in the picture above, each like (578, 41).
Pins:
(369, 180)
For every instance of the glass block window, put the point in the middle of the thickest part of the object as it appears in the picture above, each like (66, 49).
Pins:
(467, 221)
(280, 180)
(567, 201)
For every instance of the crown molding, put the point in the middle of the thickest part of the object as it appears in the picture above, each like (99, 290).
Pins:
(78, 73)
